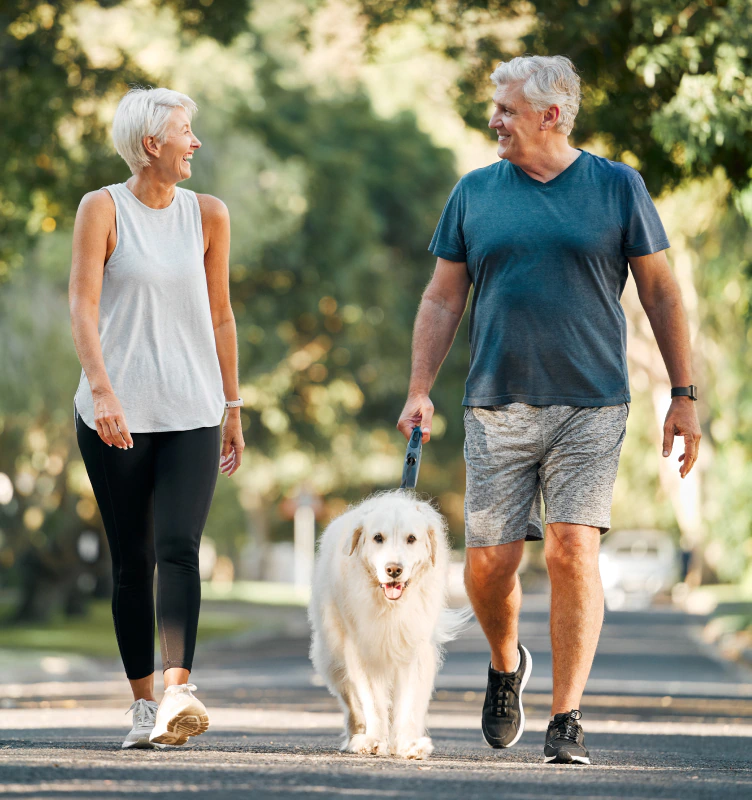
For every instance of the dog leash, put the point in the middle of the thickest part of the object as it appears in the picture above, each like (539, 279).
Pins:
(412, 459)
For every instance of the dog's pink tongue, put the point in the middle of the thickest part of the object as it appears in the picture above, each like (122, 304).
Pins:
(393, 590)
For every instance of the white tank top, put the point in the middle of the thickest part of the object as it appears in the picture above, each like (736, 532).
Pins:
(155, 321)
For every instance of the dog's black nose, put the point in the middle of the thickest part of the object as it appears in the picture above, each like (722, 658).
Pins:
(393, 570)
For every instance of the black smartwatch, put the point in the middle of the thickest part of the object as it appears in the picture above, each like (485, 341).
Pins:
(685, 391)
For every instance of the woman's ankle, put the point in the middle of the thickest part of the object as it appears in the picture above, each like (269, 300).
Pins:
(143, 688)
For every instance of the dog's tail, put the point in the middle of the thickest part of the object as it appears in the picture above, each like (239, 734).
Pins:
(452, 622)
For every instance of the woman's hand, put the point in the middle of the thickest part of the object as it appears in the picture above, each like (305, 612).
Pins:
(232, 442)
(109, 418)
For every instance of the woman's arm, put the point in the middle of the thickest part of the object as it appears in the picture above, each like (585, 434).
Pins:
(215, 219)
(94, 239)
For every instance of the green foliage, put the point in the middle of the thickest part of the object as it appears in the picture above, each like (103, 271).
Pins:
(667, 85)
(724, 285)
(54, 142)
(54, 138)
(326, 293)
(93, 635)
(222, 20)
(374, 190)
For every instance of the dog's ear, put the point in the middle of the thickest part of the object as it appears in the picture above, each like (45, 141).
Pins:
(433, 520)
(352, 542)
(432, 545)
(432, 541)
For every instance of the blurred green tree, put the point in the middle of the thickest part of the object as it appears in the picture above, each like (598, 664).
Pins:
(667, 83)
(54, 138)
(324, 304)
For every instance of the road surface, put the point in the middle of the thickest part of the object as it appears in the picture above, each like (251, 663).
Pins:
(664, 717)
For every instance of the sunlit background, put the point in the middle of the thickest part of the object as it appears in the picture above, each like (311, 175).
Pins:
(334, 131)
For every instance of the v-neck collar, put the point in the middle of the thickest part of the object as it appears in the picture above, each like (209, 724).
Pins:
(554, 181)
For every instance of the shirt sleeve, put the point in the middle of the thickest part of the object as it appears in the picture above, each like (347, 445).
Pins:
(644, 233)
(449, 240)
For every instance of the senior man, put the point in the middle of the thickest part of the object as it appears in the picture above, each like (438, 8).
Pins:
(545, 236)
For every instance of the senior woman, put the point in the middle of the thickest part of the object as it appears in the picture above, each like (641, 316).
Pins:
(155, 334)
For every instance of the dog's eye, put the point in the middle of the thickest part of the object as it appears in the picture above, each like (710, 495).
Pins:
(411, 538)
(378, 538)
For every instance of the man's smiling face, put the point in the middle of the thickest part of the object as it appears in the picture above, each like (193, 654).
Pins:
(517, 125)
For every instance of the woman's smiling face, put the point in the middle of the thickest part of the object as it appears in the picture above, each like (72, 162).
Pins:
(173, 162)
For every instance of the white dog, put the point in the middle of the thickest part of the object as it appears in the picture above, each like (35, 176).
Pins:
(378, 614)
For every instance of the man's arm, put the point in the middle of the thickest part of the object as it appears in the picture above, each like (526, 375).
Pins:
(436, 323)
(660, 297)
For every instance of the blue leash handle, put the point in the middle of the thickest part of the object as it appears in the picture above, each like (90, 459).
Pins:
(412, 460)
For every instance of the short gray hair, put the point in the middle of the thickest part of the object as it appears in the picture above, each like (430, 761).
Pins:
(548, 81)
(145, 112)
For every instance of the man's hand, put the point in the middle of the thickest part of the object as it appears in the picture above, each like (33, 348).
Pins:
(681, 420)
(418, 410)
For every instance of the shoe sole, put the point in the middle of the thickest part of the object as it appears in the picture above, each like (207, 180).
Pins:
(566, 758)
(523, 684)
(142, 743)
(182, 726)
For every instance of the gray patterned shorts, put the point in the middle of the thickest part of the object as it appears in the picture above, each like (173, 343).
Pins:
(515, 452)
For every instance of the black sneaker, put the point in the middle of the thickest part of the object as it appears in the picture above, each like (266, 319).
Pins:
(503, 716)
(565, 740)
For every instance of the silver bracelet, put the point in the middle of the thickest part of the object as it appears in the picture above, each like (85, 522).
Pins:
(234, 403)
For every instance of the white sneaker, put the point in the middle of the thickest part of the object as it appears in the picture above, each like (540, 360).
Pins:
(180, 715)
(144, 717)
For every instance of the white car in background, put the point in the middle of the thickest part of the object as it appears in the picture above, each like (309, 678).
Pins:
(636, 565)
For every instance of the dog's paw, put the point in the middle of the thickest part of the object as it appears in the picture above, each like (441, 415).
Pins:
(365, 745)
(418, 749)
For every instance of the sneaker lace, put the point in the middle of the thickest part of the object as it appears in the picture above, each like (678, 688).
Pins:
(144, 713)
(567, 726)
(501, 697)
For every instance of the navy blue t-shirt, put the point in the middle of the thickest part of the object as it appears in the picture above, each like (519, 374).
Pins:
(548, 262)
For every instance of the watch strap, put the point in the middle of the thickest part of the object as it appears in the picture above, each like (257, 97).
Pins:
(234, 403)
(684, 391)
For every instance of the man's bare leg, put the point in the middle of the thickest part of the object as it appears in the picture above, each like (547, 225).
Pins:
(496, 596)
(576, 608)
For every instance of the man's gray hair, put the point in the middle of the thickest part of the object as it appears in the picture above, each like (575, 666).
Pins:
(548, 81)
(145, 112)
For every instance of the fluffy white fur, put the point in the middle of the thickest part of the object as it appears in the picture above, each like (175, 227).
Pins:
(379, 656)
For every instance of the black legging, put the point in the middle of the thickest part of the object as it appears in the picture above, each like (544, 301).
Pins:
(154, 499)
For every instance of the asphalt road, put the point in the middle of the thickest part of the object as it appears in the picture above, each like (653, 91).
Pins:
(664, 717)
